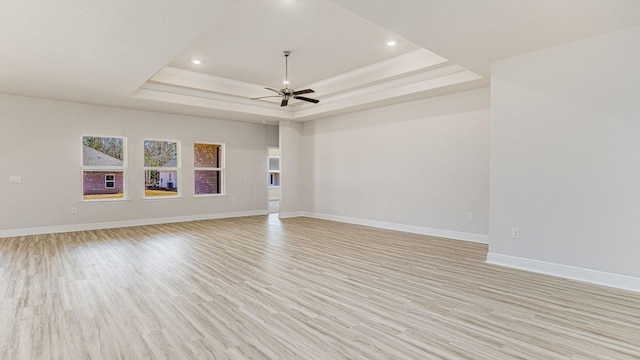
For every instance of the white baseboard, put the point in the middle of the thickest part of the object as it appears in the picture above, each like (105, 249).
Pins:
(449, 234)
(292, 214)
(125, 223)
(566, 271)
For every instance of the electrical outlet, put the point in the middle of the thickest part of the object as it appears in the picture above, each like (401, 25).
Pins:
(515, 233)
(74, 210)
(15, 179)
(469, 216)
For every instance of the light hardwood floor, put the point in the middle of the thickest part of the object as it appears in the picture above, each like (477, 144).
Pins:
(262, 288)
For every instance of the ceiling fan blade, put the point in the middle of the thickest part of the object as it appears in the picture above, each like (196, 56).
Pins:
(284, 102)
(306, 99)
(263, 97)
(300, 92)
(274, 90)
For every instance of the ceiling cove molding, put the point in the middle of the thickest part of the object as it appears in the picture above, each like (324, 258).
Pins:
(391, 84)
(215, 84)
(415, 61)
(211, 95)
(418, 71)
(393, 90)
(390, 94)
(420, 59)
(207, 103)
(231, 103)
(358, 91)
(385, 87)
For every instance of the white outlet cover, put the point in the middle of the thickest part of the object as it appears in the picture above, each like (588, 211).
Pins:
(15, 179)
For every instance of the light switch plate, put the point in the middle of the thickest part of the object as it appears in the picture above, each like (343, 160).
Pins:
(15, 179)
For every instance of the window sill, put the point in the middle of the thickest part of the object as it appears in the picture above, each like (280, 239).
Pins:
(207, 196)
(104, 201)
(162, 198)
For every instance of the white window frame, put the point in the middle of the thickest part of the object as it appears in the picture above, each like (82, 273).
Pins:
(105, 169)
(221, 169)
(165, 169)
(273, 171)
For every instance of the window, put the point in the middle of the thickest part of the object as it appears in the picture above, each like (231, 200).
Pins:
(274, 179)
(274, 163)
(161, 168)
(103, 168)
(110, 181)
(274, 167)
(208, 173)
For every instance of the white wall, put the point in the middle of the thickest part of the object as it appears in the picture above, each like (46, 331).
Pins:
(40, 140)
(565, 159)
(419, 166)
(273, 136)
(290, 168)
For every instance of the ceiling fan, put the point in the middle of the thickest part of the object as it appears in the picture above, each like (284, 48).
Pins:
(287, 93)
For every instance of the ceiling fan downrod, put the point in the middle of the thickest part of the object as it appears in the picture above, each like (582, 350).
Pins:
(286, 68)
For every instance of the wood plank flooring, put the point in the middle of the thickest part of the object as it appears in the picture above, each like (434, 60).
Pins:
(264, 288)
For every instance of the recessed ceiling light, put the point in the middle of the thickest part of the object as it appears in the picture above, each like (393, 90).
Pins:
(196, 61)
(391, 43)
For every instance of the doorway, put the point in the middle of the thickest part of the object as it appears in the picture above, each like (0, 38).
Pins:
(273, 166)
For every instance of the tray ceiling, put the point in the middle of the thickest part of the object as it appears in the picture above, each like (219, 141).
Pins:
(139, 54)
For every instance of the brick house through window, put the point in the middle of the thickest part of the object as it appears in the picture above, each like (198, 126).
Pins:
(101, 182)
(208, 160)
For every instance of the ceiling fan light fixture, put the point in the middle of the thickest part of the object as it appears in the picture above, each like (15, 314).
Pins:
(287, 93)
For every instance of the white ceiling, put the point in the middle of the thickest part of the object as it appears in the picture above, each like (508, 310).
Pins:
(325, 40)
(137, 54)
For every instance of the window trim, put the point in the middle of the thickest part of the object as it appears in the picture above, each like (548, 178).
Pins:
(106, 169)
(221, 169)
